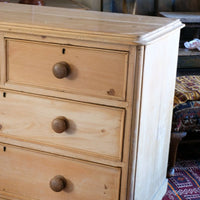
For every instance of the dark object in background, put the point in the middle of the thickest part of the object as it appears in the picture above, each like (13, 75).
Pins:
(187, 5)
(33, 2)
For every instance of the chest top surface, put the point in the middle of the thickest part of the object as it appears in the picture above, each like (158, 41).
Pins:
(124, 28)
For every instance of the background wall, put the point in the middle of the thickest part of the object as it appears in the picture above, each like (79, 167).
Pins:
(151, 7)
(144, 7)
(93, 4)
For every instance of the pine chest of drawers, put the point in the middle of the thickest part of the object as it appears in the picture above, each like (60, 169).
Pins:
(85, 104)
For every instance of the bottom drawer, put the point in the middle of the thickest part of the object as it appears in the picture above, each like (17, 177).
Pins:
(32, 175)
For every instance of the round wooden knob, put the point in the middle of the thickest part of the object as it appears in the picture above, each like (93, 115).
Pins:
(60, 124)
(58, 183)
(61, 70)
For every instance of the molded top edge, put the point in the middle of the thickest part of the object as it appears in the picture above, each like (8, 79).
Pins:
(87, 25)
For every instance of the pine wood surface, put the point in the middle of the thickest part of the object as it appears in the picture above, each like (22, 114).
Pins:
(101, 125)
(92, 72)
(93, 25)
(134, 122)
(24, 169)
(73, 96)
(138, 131)
(155, 126)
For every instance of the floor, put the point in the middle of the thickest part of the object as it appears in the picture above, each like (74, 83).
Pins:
(185, 185)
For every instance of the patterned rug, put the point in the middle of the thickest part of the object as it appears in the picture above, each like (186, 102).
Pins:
(187, 88)
(185, 185)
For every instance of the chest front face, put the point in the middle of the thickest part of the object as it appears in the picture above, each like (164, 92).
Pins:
(75, 104)
(63, 115)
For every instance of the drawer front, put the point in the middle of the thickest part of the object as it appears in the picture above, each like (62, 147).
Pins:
(89, 129)
(78, 70)
(30, 174)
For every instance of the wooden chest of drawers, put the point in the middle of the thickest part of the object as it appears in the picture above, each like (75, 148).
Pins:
(85, 104)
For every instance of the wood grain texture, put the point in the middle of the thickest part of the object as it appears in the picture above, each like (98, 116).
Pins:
(93, 26)
(75, 42)
(123, 140)
(156, 115)
(2, 59)
(93, 130)
(132, 83)
(134, 122)
(93, 72)
(27, 174)
(70, 96)
(48, 92)
(59, 151)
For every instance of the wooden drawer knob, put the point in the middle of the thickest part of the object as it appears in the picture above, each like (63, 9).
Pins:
(61, 70)
(58, 183)
(60, 124)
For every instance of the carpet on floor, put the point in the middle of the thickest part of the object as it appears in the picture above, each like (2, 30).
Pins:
(185, 185)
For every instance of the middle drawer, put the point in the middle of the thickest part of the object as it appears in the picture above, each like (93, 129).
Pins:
(78, 127)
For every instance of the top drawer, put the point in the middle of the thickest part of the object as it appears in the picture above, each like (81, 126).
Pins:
(94, 72)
